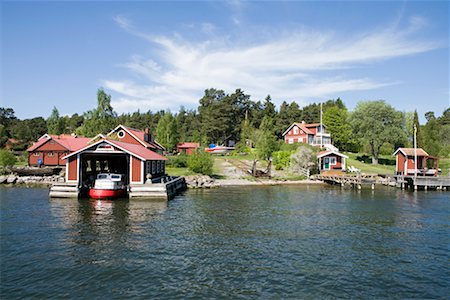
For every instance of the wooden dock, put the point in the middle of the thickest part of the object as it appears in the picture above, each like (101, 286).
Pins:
(355, 181)
(167, 188)
(421, 182)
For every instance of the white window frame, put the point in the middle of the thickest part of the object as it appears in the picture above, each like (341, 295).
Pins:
(36, 154)
(290, 140)
(295, 130)
(333, 160)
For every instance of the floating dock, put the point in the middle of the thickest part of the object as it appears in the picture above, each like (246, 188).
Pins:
(399, 181)
(167, 187)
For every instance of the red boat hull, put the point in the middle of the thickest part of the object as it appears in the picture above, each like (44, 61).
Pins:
(106, 194)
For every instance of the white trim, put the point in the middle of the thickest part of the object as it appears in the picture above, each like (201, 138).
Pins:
(124, 128)
(142, 171)
(332, 152)
(131, 170)
(102, 141)
(78, 167)
(67, 170)
(405, 170)
(45, 135)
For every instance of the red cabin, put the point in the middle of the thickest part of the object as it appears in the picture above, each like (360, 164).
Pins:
(405, 162)
(331, 161)
(187, 148)
(50, 149)
(306, 133)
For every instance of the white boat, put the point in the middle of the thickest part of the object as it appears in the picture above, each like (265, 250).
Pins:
(107, 186)
(219, 149)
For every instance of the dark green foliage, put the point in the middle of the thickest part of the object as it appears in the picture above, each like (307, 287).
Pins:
(267, 141)
(336, 121)
(7, 158)
(200, 162)
(167, 131)
(376, 123)
(99, 120)
(177, 161)
(436, 134)
(55, 124)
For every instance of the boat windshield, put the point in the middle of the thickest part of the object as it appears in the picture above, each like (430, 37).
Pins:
(102, 176)
(115, 176)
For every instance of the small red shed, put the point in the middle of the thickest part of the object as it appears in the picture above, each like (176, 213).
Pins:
(331, 160)
(187, 148)
(405, 162)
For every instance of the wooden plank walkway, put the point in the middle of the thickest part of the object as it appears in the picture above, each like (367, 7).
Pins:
(343, 179)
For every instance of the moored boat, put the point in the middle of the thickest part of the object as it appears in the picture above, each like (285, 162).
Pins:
(219, 149)
(108, 186)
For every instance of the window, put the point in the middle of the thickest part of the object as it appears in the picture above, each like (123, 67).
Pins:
(121, 134)
(295, 130)
(290, 141)
(333, 161)
(50, 154)
(36, 153)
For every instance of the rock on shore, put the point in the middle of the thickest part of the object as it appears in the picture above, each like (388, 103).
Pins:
(200, 181)
(46, 180)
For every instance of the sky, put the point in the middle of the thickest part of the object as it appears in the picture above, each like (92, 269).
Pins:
(161, 55)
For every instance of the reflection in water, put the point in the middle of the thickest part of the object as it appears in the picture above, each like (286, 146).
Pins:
(244, 242)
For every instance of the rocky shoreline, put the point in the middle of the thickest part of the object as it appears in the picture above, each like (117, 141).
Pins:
(30, 180)
(192, 181)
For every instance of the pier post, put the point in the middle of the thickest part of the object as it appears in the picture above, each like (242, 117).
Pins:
(373, 186)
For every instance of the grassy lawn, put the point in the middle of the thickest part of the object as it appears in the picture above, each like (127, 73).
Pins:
(369, 168)
(178, 171)
(444, 165)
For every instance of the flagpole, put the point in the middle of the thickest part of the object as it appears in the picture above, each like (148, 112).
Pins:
(415, 150)
(321, 128)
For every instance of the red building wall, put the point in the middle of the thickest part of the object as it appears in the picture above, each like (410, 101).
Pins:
(300, 136)
(136, 169)
(72, 169)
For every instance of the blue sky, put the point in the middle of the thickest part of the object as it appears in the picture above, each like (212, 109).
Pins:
(152, 55)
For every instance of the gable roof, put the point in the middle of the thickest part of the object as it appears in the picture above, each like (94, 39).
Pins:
(299, 125)
(328, 152)
(139, 136)
(71, 143)
(410, 152)
(188, 145)
(135, 150)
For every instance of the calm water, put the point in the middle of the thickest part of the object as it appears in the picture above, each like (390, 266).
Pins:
(253, 242)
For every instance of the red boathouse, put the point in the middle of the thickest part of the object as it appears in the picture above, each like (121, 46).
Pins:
(134, 161)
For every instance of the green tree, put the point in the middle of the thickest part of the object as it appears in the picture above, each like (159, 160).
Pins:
(267, 141)
(55, 124)
(376, 123)
(419, 138)
(99, 120)
(7, 158)
(201, 162)
(336, 121)
(166, 131)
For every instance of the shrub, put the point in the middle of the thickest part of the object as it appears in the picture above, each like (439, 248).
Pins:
(304, 158)
(200, 162)
(178, 161)
(281, 159)
(7, 158)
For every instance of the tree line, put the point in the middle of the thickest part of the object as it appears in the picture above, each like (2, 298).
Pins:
(373, 127)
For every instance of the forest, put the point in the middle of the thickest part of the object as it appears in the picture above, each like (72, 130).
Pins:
(373, 127)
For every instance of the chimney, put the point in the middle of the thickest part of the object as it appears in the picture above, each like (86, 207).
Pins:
(303, 122)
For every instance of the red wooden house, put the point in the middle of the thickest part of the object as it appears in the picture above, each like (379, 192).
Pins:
(405, 162)
(306, 133)
(134, 161)
(135, 136)
(49, 149)
(331, 161)
(187, 148)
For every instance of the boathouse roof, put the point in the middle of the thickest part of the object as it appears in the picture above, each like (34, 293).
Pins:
(410, 152)
(132, 149)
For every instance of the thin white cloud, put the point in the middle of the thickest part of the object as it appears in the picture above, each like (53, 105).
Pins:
(296, 66)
